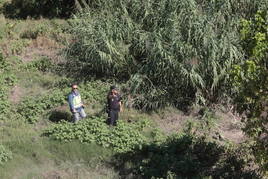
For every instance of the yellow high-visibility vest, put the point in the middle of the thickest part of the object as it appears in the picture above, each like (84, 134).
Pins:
(77, 101)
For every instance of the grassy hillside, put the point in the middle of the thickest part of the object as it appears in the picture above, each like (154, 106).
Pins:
(38, 139)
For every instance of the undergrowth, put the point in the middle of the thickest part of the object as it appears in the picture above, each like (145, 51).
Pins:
(32, 107)
(7, 80)
(5, 155)
(124, 137)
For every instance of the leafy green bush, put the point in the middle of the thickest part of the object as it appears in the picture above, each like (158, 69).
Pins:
(251, 80)
(123, 137)
(5, 155)
(7, 80)
(17, 46)
(32, 108)
(44, 64)
(3, 63)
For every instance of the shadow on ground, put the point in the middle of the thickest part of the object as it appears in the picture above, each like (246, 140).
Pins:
(59, 115)
(183, 157)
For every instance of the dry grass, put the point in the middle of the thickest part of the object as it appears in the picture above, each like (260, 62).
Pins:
(31, 38)
(16, 94)
(227, 126)
(170, 120)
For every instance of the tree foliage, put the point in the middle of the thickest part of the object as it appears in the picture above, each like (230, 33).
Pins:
(251, 80)
(169, 51)
(36, 8)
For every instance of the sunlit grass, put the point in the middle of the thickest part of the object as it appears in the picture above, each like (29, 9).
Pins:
(36, 156)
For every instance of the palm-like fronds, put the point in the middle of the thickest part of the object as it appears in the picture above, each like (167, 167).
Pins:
(181, 49)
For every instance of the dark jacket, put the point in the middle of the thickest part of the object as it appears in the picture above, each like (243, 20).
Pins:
(113, 102)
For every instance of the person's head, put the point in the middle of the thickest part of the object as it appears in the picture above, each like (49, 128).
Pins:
(74, 87)
(113, 89)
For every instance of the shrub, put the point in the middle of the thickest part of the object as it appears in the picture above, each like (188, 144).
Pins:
(32, 108)
(17, 46)
(124, 137)
(251, 80)
(36, 8)
(185, 156)
(44, 65)
(7, 80)
(5, 155)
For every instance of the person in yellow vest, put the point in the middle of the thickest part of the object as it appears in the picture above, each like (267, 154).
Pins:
(76, 104)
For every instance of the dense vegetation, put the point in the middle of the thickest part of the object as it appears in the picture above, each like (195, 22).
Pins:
(168, 52)
(251, 79)
(36, 9)
(186, 54)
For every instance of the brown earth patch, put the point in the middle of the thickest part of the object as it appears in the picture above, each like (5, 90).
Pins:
(55, 175)
(42, 47)
(170, 120)
(16, 94)
(171, 124)
(228, 125)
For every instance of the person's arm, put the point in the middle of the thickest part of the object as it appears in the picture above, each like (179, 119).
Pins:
(120, 104)
(70, 101)
(107, 102)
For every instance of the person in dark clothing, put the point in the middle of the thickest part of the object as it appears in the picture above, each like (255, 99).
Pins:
(114, 105)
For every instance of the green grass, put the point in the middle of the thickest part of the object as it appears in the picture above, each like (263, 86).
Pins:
(34, 83)
(24, 168)
(34, 155)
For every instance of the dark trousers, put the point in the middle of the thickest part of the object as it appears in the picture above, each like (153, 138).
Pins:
(112, 117)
